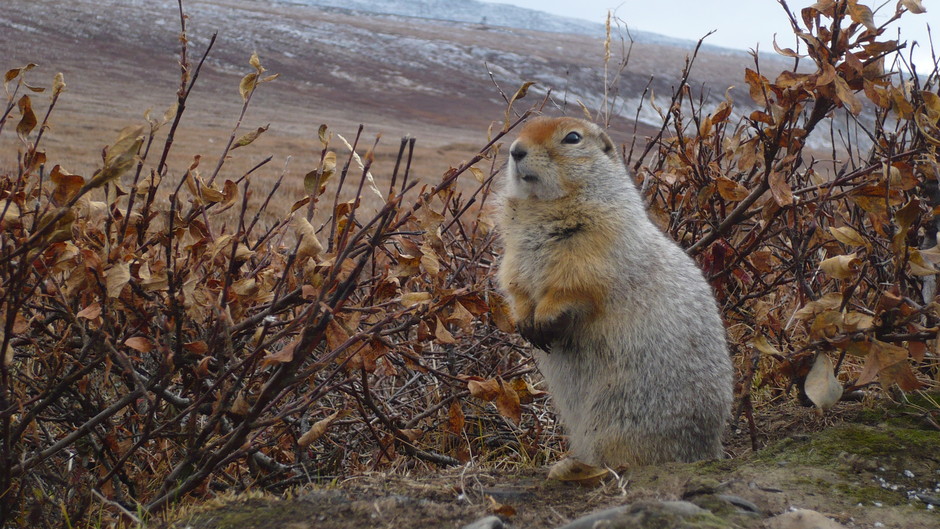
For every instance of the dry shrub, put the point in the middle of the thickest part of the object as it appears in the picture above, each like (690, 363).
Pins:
(163, 337)
(813, 251)
(162, 340)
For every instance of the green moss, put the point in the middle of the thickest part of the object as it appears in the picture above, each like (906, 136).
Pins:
(252, 514)
(905, 414)
(869, 494)
(717, 466)
(832, 448)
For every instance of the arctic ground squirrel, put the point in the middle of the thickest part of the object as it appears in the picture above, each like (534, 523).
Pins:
(632, 345)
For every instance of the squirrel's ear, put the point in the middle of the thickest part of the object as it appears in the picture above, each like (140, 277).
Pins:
(608, 144)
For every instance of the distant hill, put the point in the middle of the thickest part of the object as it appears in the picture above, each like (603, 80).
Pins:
(486, 14)
(423, 67)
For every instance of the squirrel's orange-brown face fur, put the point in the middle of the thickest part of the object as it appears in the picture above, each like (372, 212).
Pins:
(552, 156)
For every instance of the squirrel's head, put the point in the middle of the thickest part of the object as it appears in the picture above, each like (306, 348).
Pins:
(554, 157)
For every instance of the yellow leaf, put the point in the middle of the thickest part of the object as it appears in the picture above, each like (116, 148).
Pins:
(324, 135)
(841, 266)
(210, 194)
(247, 85)
(478, 174)
(429, 260)
(58, 84)
(520, 93)
(826, 325)
(314, 180)
(761, 344)
(256, 62)
(856, 321)
(121, 156)
(847, 96)
(527, 393)
(250, 137)
(9, 212)
(848, 236)
(414, 298)
(918, 265)
(246, 287)
(442, 334)
(830, 301)
(309, 244)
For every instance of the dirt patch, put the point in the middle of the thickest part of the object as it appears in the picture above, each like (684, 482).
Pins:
(868, 470)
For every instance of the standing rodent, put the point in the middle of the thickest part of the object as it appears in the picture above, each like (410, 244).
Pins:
(634, 348)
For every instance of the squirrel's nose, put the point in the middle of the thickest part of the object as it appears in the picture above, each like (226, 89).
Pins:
(518, 152)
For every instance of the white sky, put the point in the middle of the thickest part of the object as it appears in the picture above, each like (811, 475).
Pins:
(741, 24)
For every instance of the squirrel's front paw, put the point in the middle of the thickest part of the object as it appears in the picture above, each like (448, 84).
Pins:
(544, 333)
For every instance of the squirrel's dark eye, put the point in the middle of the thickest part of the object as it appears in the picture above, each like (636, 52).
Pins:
(572, 138)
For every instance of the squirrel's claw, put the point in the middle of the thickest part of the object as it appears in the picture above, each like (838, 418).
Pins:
(542, 334)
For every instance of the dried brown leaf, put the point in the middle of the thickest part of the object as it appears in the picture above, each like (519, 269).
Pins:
(780, 189)
(90, 312)
(456, 419)
(573, 471)
(730, 190)
(821, 385)
(507, 402)
(841, 266)
(317, 430)
(284, 355)
(118, 275)
(139, 344)
(28, 120)
(862, 14)
(442, 334)
(486, 390)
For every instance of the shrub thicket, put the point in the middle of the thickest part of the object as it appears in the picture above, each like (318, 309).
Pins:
(161, 340)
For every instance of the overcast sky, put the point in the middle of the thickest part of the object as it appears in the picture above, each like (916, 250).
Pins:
(741, 24)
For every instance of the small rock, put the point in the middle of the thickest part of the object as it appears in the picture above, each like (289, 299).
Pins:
(928, 499)
(678, 508)
(801, 519)
(740, 503)
(697, 486)
(639, 514)
(587, 522)
(490, 522)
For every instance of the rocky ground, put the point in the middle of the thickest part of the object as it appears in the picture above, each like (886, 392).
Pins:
(862, 469)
